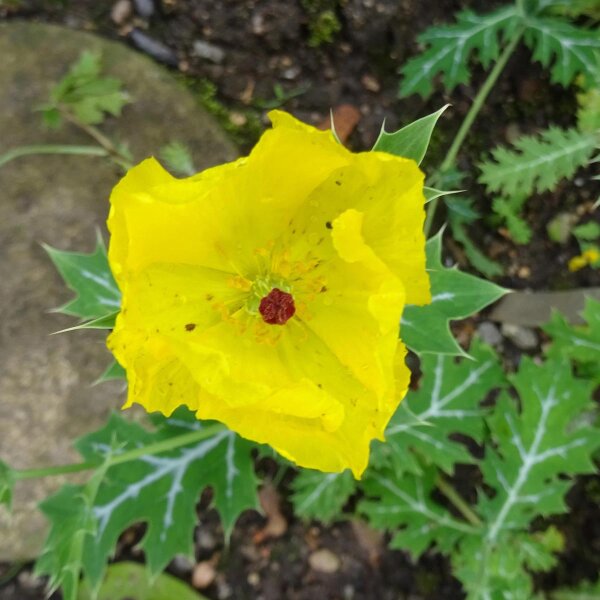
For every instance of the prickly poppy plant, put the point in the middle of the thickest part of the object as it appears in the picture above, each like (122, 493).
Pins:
(266, 293)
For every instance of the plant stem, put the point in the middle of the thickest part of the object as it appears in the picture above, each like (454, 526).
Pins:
(51, 149)
(117, 459)
(105, 142)
(465, 510)
(466, 125)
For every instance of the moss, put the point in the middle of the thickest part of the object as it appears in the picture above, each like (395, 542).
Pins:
(323, 22)
(244, 135)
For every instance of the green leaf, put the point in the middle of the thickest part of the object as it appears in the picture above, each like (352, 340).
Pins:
(403, 502)
(451, 47)
(322, 496)
(534, 451)
(498, 574)
(113, 371)
(519, 230)
(72, 525)
(431, 193)
(588, 115)
(455, 295)
(89, 276)
(478, 260)
(130, 580)
(578, 343)
(163, 489)
(86, 93)
(588, 232)
(178, 158)
(538, 162)
(568, 51)
(584, 591)
(446, 403)
(537, 447)
(460, 214)
(7, 482)
(412, 140)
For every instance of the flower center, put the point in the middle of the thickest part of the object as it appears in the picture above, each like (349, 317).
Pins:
(277, 307)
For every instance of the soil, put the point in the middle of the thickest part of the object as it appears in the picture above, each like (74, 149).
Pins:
(261, 57)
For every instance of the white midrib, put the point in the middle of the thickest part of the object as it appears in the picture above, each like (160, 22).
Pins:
(168, 466)
(438, 403)
(314, 495)
(529, 461)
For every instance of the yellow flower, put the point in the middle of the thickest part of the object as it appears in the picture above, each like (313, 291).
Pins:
(267, 293)
(587, 257)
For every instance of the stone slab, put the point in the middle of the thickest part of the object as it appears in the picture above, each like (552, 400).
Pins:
(533, 309)
(46, 399)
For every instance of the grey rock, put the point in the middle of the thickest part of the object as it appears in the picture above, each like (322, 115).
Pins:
(522, 337)
(208, 51)
(534, 308)
(489, 333)
(157, 50)
(144, 8)
(46, 399)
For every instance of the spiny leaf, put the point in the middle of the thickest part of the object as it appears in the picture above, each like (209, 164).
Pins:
(412, 140)
(72, 525)
(86, 93)
(431, 193)
(536, 447)
(321, 496)
(519, 230)
(178, 158)
(89, 276)
(403, 501)
(567, 50)
(163, 489)
(455, 295)
(451, 47)
(447, 402)
(538, 162)
(579, 343)
(502, 574)
(460, 214)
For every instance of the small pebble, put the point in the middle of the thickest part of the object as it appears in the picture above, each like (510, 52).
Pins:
(144, 8)
(182, 564)
(204, 574)
(121, 11)
(238, 119)
(208, 51)
(522, 337)
(370, 83)
(324, 561)
(153, 48)
(489, 333)
(205, 539)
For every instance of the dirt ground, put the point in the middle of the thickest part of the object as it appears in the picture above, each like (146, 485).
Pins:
(261, 55)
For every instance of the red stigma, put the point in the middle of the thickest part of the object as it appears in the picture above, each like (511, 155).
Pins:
(277, 307)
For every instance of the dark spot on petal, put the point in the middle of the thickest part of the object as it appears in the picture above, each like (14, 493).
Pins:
(323, 289)
(329, 225)
(338, 182)
(209, 297)
(190, 327)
